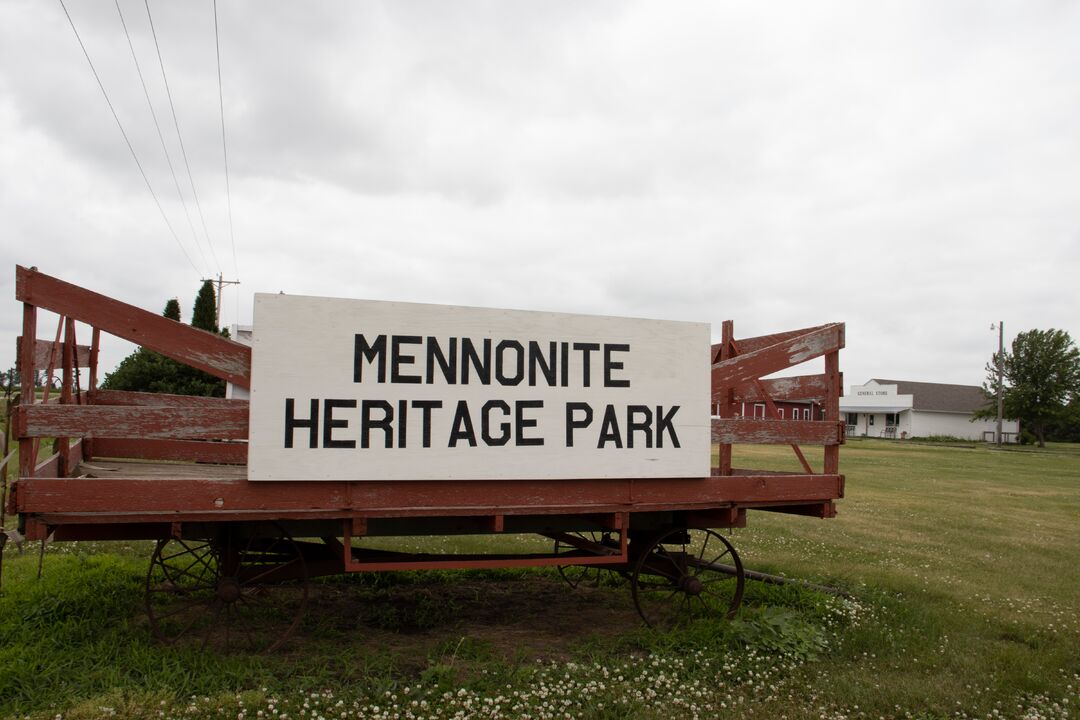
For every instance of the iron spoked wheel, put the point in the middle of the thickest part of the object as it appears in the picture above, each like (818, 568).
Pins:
(687, 574)
(586, 575)
(243, 592)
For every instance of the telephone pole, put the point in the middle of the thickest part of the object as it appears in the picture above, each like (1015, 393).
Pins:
(1000, 373)
(217, 305)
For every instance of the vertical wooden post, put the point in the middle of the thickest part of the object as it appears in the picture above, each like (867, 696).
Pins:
(727, 406)
(27, 454)
(66, 394)
(832, 408)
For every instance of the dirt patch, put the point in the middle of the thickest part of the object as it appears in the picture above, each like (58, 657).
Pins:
(520, 619)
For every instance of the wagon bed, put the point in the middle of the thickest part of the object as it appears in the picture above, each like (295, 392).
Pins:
(154, 466)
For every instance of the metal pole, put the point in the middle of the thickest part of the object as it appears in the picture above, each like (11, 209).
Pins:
(1000, 373)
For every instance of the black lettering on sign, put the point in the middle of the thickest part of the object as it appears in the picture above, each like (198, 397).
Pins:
(610, 365)
(485, 423)
(587, 350)
(482, 365)
(368, 423)
(447, 363)
(572, 423)
(372, 352)
(517, 360)
(609, 429)
(463, 425)
(521, 423)
(292, 422)
(425, 407)
(537, 361)
(664, 423)
(644, 425)
(330, 423)
(398, 358)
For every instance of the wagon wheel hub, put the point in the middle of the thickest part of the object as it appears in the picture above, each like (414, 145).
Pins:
(228, 590)
(690, 585)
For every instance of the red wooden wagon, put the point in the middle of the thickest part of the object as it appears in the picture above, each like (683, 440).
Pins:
(232, 554)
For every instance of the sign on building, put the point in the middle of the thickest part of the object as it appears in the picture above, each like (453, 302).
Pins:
(367, 390)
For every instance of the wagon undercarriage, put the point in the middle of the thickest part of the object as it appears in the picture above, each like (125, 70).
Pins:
(234, 558)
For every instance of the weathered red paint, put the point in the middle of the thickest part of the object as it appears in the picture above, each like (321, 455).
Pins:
(206, 351)
(118, 500)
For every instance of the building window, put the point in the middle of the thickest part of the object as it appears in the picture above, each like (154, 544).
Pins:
(806, 414)
(892, 419)
(871, 419)
(781, 411)
(759, 410)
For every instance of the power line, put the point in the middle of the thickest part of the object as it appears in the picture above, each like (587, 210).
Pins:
(224, 146)
(180, 137)
(127, 141)
(161, 137)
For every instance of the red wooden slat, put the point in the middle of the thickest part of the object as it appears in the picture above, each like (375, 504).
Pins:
(417, 498)
(191, 450)
(126, 397)
(131, 422)
(776, 432)
(43, 350)
(750, 344)
(799, 388)
(747, 366)
(200, 349)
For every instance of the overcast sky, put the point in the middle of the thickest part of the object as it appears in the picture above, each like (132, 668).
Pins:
(912, 169)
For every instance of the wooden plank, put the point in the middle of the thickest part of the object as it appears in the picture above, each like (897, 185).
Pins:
(27, 446)
(131, 422)
(125, 397)
(225, 453)
(417, 498)
(750, 344)
(776, 432)
(799, 388)
(747, 366)
(204, 350)
(43, 351)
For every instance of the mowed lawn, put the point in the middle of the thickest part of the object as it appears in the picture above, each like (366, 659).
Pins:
(962, 566)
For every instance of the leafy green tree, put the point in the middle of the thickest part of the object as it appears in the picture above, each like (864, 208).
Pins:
(204, 314)
(1041, 379)
(147, 371)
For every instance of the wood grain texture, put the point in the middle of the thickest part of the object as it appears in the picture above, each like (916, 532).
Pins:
(799, 388)
(204, 350)
(120, 496)
(748, 366)
(776, 432)
(43, 351)
(130, 422)
(126, 397)
(225, 453)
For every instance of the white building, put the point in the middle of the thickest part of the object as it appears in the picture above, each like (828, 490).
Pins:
(903, 409)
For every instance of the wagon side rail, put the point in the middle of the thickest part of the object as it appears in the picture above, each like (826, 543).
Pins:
(111, 423)
(738, 369)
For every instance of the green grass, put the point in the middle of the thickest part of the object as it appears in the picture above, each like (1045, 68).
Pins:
(962, 565)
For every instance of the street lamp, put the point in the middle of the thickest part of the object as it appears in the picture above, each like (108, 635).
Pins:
(1000, 372)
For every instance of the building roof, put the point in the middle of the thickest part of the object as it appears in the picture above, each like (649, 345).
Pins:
(940, 397)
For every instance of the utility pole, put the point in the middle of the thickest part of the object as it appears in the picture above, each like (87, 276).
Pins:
(217, 305)
(1000, 374)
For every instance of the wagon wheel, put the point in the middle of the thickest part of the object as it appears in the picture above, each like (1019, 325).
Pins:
(686, 574)
(586, 575)
(245, 591)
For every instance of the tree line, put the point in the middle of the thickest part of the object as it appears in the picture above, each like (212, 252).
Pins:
(1040, 385)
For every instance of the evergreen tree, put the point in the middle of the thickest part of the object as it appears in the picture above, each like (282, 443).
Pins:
(204, 314)
(147, 371)
(172, 310)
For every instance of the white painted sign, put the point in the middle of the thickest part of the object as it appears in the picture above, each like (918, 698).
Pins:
(367, 390)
